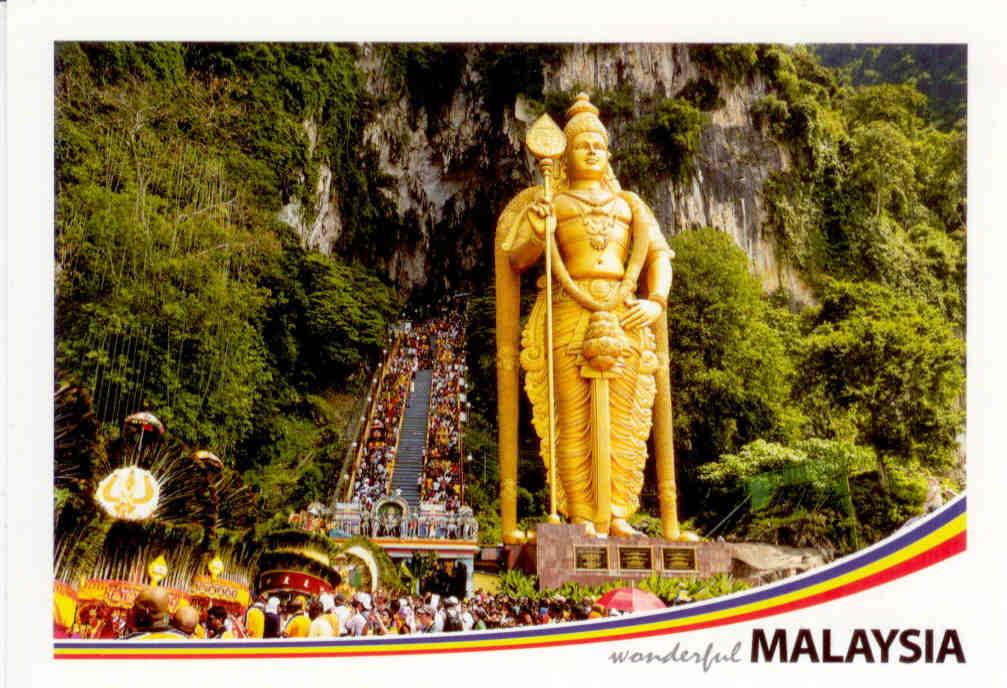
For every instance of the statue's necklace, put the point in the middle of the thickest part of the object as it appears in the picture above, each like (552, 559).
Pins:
(598, 220)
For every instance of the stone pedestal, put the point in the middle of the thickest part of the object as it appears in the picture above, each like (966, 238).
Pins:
(565, 552)
(521, 557)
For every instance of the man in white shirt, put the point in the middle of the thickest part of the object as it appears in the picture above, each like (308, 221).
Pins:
(439, 620)
(358, 622)
(468, 621)
(343, 613)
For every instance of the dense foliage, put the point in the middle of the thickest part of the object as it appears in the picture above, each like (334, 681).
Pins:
(870, 371)
(883, 370)
(731, 375)
(177, 290)
(671, 590)
(938, 71)
(878, 191)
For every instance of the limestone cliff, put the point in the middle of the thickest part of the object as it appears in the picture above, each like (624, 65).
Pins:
(450, 167)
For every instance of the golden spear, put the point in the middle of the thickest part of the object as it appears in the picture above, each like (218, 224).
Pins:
(546, 142)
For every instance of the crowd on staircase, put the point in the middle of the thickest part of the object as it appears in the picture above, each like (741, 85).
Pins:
(437, 343)
(441, 482)
(377, 461)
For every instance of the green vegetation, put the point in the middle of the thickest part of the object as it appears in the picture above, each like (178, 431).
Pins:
(178, 291)
(730, 62)
(878, 192)
(672, 591)
(876, 374)
(702, 93)
(883, 370)
(820, 493)
(938, 71)
(673, 130)
(731, 373)
(510, 70)
(797, 496)
(429, 72)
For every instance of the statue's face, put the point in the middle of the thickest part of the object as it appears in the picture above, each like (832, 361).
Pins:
(587, 156)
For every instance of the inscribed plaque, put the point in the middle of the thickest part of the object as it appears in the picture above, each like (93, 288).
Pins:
(678, 558)
(635, 558)
(591, 558)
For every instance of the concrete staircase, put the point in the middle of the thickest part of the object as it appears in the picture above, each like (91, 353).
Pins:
(412, 440)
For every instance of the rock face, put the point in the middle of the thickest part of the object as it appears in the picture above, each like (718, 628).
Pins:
(757, 562)
(452, 170)
(321, 226)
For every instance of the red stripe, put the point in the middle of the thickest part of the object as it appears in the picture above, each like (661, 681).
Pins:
(938, 553)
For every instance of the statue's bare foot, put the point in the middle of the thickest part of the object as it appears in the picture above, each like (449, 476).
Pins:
(515, 537)
(621, 528)
(676, 535)
(588, 525)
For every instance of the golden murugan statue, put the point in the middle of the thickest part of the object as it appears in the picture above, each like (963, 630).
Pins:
(595, 346)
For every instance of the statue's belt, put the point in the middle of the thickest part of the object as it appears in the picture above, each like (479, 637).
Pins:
(598, 287)
(570, 332)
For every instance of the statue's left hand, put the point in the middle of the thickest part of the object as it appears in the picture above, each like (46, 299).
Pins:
(640, 314)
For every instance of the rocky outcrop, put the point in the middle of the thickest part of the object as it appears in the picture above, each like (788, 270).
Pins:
(321, 226)
(451, 171)
(757, 562)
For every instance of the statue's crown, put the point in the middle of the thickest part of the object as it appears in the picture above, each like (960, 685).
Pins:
(583, 116)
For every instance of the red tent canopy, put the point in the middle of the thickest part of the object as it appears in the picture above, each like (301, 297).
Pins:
(631, 600)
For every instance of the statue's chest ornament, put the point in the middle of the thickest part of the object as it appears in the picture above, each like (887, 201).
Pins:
(597, 217)
(598, 223)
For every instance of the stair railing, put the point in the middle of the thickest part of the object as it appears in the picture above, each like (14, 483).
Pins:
(364, 432)
(398, 438)
(430, 417)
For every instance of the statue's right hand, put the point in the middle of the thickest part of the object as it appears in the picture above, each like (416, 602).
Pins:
(538, 215)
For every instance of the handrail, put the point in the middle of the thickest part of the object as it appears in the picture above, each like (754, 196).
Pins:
(398, 439)
(360, 407)
(350, 454)
(361, 442)
(360, 410)
(430, 417)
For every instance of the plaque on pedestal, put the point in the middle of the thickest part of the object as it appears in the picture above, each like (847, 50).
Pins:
(682, 559)
(566, 553)
(590, 558)
(636, 559)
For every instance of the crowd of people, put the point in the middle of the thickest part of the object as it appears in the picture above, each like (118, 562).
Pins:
(438, 344)
(441, 480)
(333, 615)
(363, 614)
(377, 460)
(150, 618)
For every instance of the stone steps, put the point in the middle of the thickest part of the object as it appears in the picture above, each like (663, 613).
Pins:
(412, 440)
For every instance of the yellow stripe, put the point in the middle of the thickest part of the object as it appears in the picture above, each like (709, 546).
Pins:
(949, 530)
